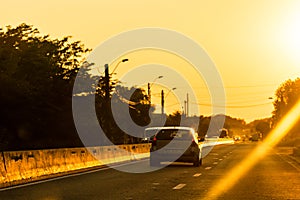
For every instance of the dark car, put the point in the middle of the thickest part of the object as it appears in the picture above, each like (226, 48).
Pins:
(175, 144)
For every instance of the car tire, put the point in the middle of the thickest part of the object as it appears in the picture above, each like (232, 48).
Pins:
(200, 161)
(197, 161)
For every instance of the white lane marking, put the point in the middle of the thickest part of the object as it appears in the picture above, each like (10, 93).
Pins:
(224, 156)
(220, 159)
(179, 186)
(155, 183)
(215, 163)
(293, 165)
(70, 175)
(196, 175)
(207, 168)
(289, 162)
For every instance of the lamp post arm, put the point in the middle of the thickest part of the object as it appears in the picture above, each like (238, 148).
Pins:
(124, 60)
(116, 67)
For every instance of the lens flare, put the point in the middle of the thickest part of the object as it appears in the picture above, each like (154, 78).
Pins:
(258, 153)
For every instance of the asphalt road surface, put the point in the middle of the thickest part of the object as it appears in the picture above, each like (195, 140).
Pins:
(277, 176)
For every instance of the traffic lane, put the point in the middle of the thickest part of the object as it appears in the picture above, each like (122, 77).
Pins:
(274, 177)
(198, 182)
(200, 189)
(113, 184)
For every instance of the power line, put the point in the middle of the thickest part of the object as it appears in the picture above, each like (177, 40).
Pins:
(173, 104)
(251, 86)
(239, 101)
(237, 86)
(227, 106)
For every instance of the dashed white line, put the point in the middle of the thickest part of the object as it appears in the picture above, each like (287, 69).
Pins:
(207, 168)
(289, 162)
(196, 175)
(215, 163)
(292, 164)
(179, 186)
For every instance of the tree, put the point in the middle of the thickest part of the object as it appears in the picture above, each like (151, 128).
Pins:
(174, 119)
(125, 100)
(263, 127)
(286, 97)
(203, 125)
(36, 77)
(233, 125)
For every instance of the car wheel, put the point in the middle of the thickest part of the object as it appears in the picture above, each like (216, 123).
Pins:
(197, 162)
(200, 161)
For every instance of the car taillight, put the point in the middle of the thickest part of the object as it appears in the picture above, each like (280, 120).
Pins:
(154, 141)
(194, 142)
(153, 144)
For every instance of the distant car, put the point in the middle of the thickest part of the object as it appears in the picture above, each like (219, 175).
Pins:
(237, 138)
(223, 133)
(175, 144)
(255, 137)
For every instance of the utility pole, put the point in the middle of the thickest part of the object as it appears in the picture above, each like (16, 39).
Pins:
(106, 81)
(162, 102)
(185, 107)
(149, 93)
(149, 87)
(187, 104)
(107, 100)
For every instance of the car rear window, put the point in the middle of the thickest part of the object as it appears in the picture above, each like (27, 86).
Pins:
(150, 133)
(170, 134)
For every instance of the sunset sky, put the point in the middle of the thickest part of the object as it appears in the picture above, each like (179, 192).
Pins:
(255, 45)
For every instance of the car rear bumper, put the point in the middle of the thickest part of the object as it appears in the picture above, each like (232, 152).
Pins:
(186, 157)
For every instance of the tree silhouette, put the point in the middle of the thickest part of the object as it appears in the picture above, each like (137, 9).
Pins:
(36, 77)
(286, 97)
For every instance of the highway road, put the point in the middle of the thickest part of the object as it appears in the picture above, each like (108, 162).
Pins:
(277, 176)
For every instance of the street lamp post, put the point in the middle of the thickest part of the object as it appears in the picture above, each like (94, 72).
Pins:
(162, 102)
(163, 97)
(107, 91)
(123, 60)
(107, 78)
(149, 88)
(174, 88)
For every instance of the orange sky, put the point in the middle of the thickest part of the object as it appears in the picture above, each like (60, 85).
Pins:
(255, 45)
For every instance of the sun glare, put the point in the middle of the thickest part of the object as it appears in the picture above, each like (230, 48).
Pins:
(258, 153)
(290, 35)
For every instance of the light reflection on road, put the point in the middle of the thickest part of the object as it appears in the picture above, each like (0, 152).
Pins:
(258, 153)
